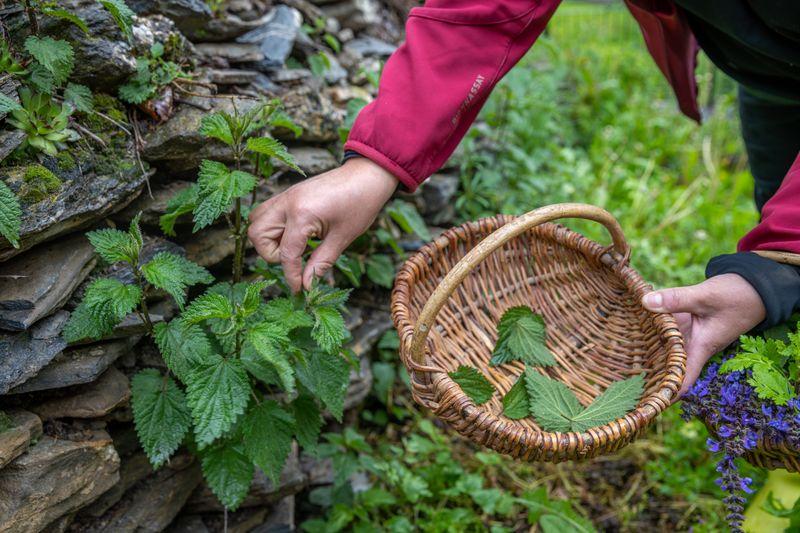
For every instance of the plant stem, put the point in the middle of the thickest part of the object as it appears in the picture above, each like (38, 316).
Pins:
(238, 255)
(29, 11)
(145, 312)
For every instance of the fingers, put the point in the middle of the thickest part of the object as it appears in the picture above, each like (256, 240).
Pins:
(696, 359)
(291, 248)
(323, 259)
(677, 300)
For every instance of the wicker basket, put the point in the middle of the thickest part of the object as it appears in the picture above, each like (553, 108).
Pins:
(450, 295)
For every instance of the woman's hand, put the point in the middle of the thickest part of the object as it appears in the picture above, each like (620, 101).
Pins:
(336, 206)
(711, 315)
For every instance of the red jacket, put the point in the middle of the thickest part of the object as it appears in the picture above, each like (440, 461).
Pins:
(456, 51)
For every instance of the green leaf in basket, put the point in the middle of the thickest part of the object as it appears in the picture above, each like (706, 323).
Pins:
(473, 383)
(521, 335)
(516, 403)
(556, 408)
(619, 398)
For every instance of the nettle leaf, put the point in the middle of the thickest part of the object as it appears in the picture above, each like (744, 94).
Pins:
(409, 219)
(279, 119)
(105, 303)
(308, 421)
(273, 148)
(80, 96)
(218, 187)
(251, 300)
(216, 127)
(121, 14)
(8, 104)
(326, 376)
(473, 383)
(10, 214)
(268, 431)
(182, 203)
(63, 14)
(516, 403)
(228, 472)
(182, 346)
(329, 330)
(521, 336)
(270, 341)
(206, 307)
(283, 311)
(55, 56)
(217, 391)
(380, 270)
(617, 400)
(553, 404)
(160, 414)
(323, 295)
(114, 245)
(174, 274)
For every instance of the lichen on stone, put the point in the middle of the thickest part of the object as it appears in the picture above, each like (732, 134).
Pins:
(65, 161)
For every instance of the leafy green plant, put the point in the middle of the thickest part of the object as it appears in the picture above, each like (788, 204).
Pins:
(774, 507)
(419, 485)
(773, 362)
(44, 122)
(152, 74)
(244, 375)
(10, 215)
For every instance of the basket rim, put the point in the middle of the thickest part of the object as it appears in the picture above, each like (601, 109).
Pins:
(582, 443)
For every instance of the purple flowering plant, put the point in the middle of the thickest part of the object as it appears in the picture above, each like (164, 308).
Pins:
(748, 396)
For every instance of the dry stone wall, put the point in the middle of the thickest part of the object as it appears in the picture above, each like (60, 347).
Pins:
(69, 458)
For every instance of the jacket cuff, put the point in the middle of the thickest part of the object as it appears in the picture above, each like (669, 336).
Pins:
(378, 158)
(776, 283)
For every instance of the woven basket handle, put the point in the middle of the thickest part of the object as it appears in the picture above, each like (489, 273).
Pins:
(494, 241)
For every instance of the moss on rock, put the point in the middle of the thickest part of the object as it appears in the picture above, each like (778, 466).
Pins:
(38, 183)
(65, 161)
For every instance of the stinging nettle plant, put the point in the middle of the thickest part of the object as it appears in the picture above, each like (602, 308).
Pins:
(245, 374)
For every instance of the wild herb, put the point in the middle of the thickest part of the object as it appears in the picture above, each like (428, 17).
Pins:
(473, 383)
(244, 374)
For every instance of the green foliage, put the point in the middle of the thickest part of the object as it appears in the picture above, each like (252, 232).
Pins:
(122, 14)
(556, 408)
(329, 329)
(10, 215)
(772, 363)
(115, 246)
(228, 471)
(8, 63)
(273, 148)
(473, 383)
(326, 376)
(516, 403)
(160, 414)
(63, 14)
(39, 183)
(79, 96)
(268, 431)
(5, 422)
(217, 391)
(408, 218)
(521, 336)
(308, 421)
(152, 74)
(183, 346)
(55, 57)
(44, 122)
(774, 507)
(174, 274)
(217, 188)
(105, 303)
(182, 203)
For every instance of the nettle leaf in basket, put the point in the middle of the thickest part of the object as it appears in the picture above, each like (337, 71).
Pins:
(619, 398)
(521, 336)
(556, 408)
(516, 403)
(473, 383)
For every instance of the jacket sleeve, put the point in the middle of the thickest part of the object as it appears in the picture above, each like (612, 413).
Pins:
(779, 228)
(434, 85)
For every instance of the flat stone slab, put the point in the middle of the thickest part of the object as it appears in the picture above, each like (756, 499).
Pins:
(76, 366)
(33, 284)
(55, 478)
(24, 354)
(26, 427)
(94, 400)
(132, 470)
(233, 52)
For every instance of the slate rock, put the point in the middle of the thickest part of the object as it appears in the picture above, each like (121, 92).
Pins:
(355, 14)
(9, 141)
(189, 15)
(76, 366)
(178, 145)
(25, 428)
(370, 47)
(84, 198)
(436, 198)
(132, 470)
(8, 87)
(89, 401)
(313, 160)
(34, 284)
(152, 503)
(231, 52)
(313, 111)
(211, 246)
(55, 478)
(24, 354)
(275, 37)
(231, 76)
(152, 206)
(262, 491)
(281, 518)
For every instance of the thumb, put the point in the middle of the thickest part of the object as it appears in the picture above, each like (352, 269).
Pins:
(322, 259)
(675, 300)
